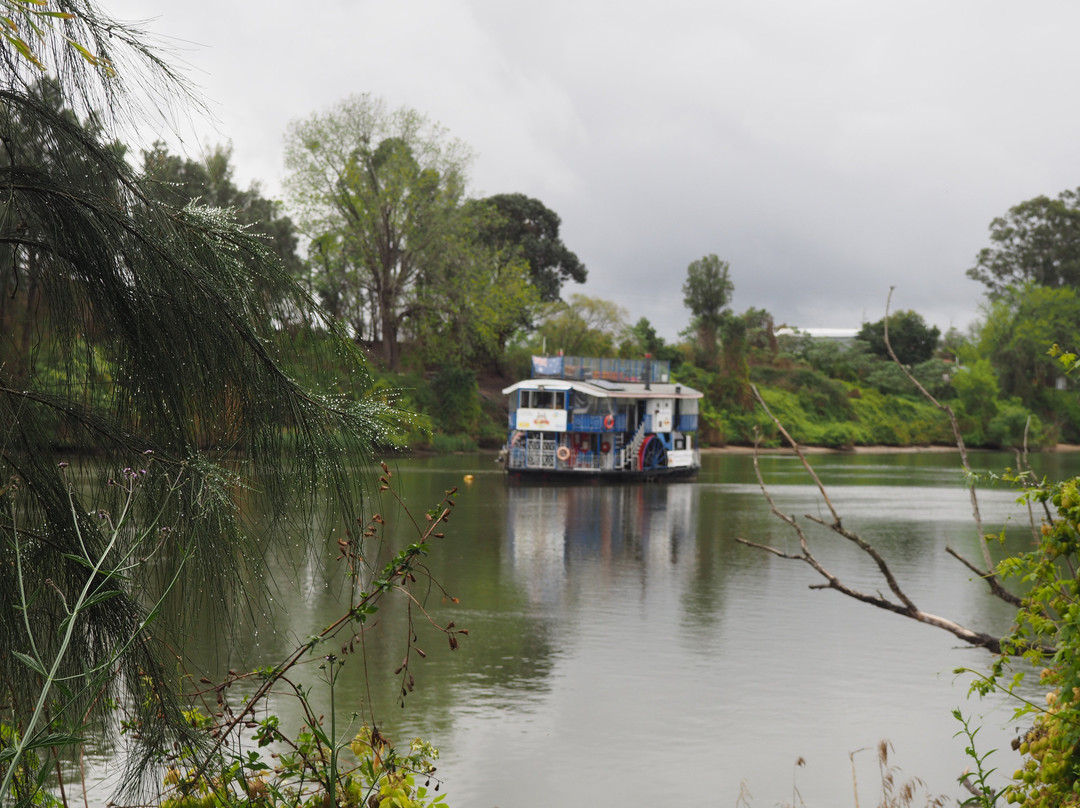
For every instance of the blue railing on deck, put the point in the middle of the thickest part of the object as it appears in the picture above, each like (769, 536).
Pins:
(584, 460)
(518, 457)
(521, 458)
(614, 370)
(594, 423)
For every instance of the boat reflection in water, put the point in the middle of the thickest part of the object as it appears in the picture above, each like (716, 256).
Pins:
(551, 528)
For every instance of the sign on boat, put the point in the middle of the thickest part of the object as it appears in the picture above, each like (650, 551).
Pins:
(586, 418)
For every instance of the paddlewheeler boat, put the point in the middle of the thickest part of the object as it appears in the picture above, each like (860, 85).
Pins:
(584, 418)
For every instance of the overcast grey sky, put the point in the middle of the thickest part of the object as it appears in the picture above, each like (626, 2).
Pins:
(828, 150)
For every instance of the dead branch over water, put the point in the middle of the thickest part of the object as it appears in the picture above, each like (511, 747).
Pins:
(898, 601)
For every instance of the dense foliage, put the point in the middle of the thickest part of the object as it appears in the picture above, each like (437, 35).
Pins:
(1037, 241)
(912, 340)
(1045, 638)
(399, 252)
(181, 181)
(517, 223)
(153, 337)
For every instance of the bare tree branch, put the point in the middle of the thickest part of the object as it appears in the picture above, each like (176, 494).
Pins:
(794, 445)
(905, 607)
(835, 525)
(964, 561)
(988, 573)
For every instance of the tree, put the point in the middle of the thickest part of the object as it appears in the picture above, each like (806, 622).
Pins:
(1037, 241)
(761, 331)
(378, 193)
(524, 225)
(641, 338)
(583, 326)
(707, 292)
(153, 343)
(1020, 327)
(732, 386)
(464, 315)
(913, 341)
(954, 344)
(182, 181)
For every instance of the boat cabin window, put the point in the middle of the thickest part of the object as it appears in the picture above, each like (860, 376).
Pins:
(584, 404)
(543, 399)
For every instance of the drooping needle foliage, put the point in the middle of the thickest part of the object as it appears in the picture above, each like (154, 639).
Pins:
(136, 330)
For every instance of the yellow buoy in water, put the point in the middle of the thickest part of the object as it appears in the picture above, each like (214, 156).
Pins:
(469, 478)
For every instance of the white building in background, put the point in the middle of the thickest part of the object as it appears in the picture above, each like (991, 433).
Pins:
(843, 336)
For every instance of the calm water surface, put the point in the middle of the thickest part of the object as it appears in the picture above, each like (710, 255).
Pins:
(624, 649)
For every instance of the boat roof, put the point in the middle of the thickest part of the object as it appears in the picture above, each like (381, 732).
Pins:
(602, 388)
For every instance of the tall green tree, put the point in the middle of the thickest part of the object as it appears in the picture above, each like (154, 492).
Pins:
(641, 338)
(761, 331)
(1037, 241)
(1020, 327)
(523, 225)
(182, 181)
(707, 293)
(378, 191)
(707, 289)
(154, 343)
(467, 307)
(912, 340)
(583, 326)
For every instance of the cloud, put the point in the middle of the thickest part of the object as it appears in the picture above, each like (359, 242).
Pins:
(828, 151)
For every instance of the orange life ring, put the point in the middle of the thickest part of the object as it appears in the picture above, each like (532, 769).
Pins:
(563, 453)
(605, 447)
(609, 421)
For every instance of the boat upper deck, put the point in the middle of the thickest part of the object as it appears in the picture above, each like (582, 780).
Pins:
(605, 389)
(605, 378)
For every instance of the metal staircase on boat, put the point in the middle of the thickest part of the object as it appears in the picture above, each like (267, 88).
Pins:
(633, 450)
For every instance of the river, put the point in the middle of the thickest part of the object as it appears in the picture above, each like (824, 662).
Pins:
(624, 649)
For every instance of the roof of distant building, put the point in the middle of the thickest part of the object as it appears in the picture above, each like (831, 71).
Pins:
(820, 333)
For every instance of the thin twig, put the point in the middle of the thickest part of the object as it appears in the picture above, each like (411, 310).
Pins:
(905, 607)
(836, 525)
(988, 574)
(798, 451)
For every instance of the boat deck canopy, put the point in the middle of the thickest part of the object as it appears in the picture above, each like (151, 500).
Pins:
(608, 389)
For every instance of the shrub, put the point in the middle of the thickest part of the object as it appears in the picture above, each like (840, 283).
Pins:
(448, 444)
(457, 398)
(1010, 426)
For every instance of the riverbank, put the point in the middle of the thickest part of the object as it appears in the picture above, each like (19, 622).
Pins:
(1061, 448)
(746, 450)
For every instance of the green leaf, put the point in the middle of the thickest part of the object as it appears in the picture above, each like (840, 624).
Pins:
(55, 739)
(86, 54)
(77, 559)
(30, 662)
(100, 597)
